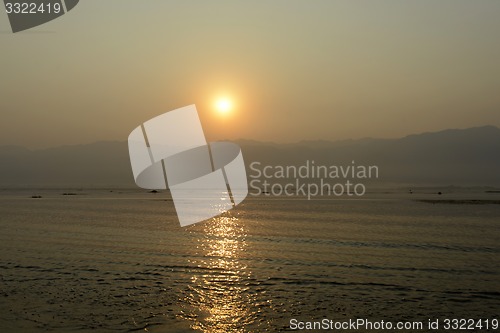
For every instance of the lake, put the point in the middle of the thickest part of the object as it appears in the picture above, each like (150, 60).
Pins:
(116, 261)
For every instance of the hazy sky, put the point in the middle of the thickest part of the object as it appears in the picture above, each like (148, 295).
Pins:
(296, 70)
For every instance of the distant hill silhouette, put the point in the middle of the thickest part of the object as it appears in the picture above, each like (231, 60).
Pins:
(450, 157)
(99, 164)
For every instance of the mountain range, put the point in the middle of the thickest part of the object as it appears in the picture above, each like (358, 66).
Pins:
(467, 157)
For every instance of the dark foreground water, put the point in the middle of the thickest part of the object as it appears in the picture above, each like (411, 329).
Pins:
(119, 261)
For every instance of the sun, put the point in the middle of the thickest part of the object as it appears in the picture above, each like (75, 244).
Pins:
(223, 105)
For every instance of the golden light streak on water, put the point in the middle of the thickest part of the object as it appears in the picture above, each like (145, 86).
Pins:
(218, 298)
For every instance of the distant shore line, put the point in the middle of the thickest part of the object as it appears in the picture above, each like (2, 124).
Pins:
(461, 202)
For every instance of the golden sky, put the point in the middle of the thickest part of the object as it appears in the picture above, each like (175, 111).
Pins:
(293, 70)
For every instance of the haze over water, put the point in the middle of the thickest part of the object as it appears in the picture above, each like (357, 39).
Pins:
(410, 87)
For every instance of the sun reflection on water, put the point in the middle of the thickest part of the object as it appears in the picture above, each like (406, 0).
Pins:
(218, 297)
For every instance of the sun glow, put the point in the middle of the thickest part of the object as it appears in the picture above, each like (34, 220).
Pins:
(223, 105)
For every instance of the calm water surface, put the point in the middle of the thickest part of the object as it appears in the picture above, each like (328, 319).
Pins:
(118, 261)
